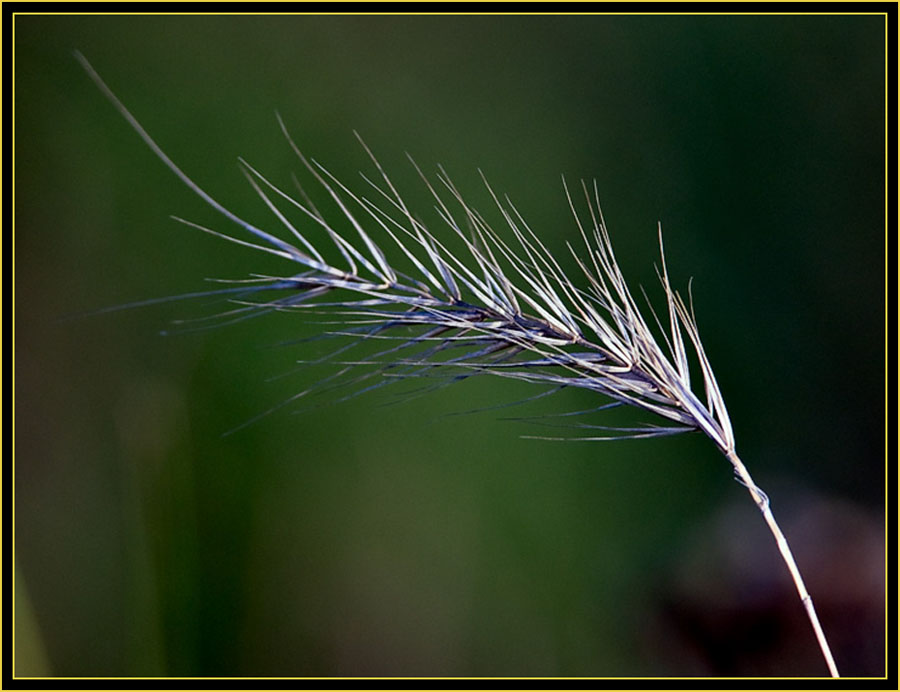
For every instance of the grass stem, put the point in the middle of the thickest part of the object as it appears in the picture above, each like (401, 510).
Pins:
(762, 501)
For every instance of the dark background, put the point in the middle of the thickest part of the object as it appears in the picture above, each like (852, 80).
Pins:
(371, 539)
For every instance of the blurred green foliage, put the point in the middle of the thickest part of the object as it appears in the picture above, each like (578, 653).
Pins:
(372, 539)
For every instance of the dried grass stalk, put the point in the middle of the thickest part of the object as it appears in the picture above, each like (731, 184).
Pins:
(506, 310)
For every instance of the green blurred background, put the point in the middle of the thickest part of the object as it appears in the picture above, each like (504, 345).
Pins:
(371, 539)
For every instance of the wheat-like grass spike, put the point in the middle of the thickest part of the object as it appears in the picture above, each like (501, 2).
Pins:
(502, 308)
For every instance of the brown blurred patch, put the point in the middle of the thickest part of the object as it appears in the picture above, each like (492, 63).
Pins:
(730, 608)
